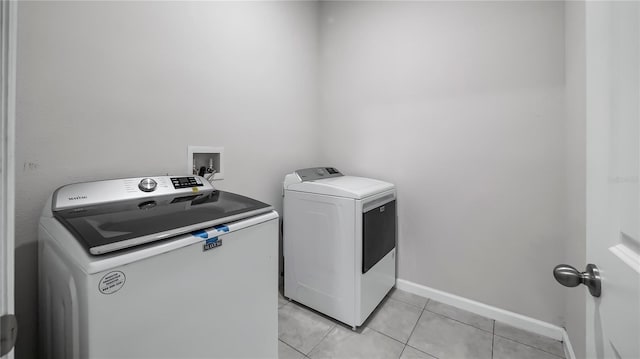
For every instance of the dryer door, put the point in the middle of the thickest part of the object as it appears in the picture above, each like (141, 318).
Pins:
(378, 234)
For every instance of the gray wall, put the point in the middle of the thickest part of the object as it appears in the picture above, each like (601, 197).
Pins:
(112, 89)
(461, 105)
(575, 304)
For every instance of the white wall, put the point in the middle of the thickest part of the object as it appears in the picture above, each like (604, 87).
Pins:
(461, 105)
(575, 58)
(115, 89)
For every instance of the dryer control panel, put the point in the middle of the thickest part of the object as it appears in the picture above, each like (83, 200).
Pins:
(315, 173)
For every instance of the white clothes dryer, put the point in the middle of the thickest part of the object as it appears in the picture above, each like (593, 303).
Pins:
(339, 242)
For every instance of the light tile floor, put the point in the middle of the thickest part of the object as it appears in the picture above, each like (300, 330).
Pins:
(407, 326)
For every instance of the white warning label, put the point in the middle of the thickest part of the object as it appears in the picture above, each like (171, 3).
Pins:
(111, 282)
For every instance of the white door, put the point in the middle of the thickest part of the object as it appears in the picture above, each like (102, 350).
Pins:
(7, 108)
(613, 160)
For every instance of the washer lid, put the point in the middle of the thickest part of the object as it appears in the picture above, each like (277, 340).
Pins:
(106, 227)
(343, 186)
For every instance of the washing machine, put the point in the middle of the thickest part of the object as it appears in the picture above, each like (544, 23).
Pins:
(339, 242)
(157, 267)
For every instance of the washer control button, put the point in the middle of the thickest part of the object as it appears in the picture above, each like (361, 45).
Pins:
(147, 185)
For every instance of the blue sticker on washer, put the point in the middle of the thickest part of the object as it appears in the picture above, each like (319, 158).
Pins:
(222, 227)
(201, 234)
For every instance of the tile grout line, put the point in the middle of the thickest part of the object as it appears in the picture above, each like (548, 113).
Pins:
(389, 336)
(287, 300)
(431, 355)
(529, 345)
(403, 302)
(407, 343)
(296, 306)
(455, 320)
(444, 316)
(415, 326)
(390, 296)
(283, 342)
(386, 335)
(323, 338)
(492, 331)
(402, 352)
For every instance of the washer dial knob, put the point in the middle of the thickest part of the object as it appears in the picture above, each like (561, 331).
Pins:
(147, 185)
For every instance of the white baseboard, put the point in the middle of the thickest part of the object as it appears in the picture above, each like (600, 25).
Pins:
(514, 319)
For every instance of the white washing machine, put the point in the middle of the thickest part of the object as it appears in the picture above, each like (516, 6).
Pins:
(339, 242)
(160, 267)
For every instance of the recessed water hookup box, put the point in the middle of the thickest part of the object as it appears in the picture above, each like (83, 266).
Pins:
(211, 158)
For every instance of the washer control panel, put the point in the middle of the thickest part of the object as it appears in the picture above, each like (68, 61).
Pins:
(186, 182)
(91, 193)
(147, 185)
(316, 173)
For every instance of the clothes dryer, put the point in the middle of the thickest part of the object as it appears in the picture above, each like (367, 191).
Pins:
(339, 242)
